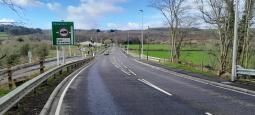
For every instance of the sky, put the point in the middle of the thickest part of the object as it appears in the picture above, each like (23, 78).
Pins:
(92, 14)
(86, 14)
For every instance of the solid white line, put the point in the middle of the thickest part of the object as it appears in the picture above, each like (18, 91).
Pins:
(154, 86)
(194, 79)
(207, 113)
(65, 90)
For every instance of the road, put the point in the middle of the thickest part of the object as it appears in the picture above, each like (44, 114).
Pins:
(120, 85)
(28, 71)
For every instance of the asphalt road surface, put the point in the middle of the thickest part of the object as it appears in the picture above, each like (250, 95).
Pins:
(119, 85)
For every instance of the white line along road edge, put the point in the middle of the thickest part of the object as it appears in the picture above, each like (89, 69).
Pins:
(203, 81)
(154, 86)
(65, 90)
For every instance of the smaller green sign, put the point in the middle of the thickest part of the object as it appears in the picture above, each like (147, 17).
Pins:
(63, 33)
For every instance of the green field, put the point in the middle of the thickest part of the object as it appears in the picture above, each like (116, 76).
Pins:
(3, 36)
(192, 54)
(166, 47)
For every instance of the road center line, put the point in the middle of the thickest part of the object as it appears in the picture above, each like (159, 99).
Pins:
(65, 90)
(154, 86)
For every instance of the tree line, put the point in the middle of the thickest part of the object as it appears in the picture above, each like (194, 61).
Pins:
(218, 13)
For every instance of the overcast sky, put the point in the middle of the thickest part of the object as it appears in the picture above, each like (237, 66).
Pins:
(87, 14)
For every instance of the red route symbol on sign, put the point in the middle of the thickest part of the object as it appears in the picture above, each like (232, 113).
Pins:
(63, 32)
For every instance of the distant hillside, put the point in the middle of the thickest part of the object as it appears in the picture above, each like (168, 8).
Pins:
(18, 30)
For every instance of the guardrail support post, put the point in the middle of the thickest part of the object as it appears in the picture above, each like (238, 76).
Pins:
(68, 69)
(9, 72)
(60, 72)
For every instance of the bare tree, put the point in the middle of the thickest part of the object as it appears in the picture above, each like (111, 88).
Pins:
(174, 11)
(221, 14)
(244, 33)
(11, 5)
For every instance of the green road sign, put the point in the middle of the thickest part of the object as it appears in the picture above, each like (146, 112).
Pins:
(63, 33)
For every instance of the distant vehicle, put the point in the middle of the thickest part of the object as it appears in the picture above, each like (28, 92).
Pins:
(107, 52)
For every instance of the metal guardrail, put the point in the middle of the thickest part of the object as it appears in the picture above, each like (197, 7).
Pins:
(10, 99)
(241, 71)
(27, 65)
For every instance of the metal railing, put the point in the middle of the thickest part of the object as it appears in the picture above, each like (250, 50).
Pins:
(12, 98)
(242, 71)
(26, 65)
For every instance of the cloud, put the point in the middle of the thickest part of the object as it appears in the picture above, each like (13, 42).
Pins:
(5, 21)
(54, 6)
(88, 14)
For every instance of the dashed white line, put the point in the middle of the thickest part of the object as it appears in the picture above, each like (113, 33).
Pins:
(125, 72)
(65, 90)
(155, 87)
(132, 72)
(207, 113)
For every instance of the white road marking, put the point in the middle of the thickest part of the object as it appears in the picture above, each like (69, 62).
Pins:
(207, 113)
(125, 66)
(125, 72)
(57, 112)
(193, 79)
(154, 86)
(132, 72)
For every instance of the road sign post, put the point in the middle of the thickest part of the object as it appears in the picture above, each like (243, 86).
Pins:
(62, 34)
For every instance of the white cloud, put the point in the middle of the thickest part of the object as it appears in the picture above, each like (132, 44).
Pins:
(5, 21)
(88, 14)
(54, 6)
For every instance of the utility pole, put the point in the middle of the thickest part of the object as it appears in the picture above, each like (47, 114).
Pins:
(148, 43)
(128, 42)
(58, 61)
(234, 59)
(141, 35)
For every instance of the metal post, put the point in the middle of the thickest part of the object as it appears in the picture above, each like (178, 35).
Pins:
(128, 43)
(233, 76)
(63, 55)
(70, 51)
(148, 43)
(141, 35)
(58, 62)
(29, 57)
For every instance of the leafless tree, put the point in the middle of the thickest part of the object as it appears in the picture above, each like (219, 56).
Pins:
(174, 11)
(244, 33)
(221, 14)
(11, 5)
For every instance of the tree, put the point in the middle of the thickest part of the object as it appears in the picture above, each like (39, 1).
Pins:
(174, 11)
(11, 5)
(24, 49)
(11, 59)
(221, 14)
(244, 33)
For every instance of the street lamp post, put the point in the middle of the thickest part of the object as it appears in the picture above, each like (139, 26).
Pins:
(233, 76)
(148, 43)
(128, 42)
(141, 35)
